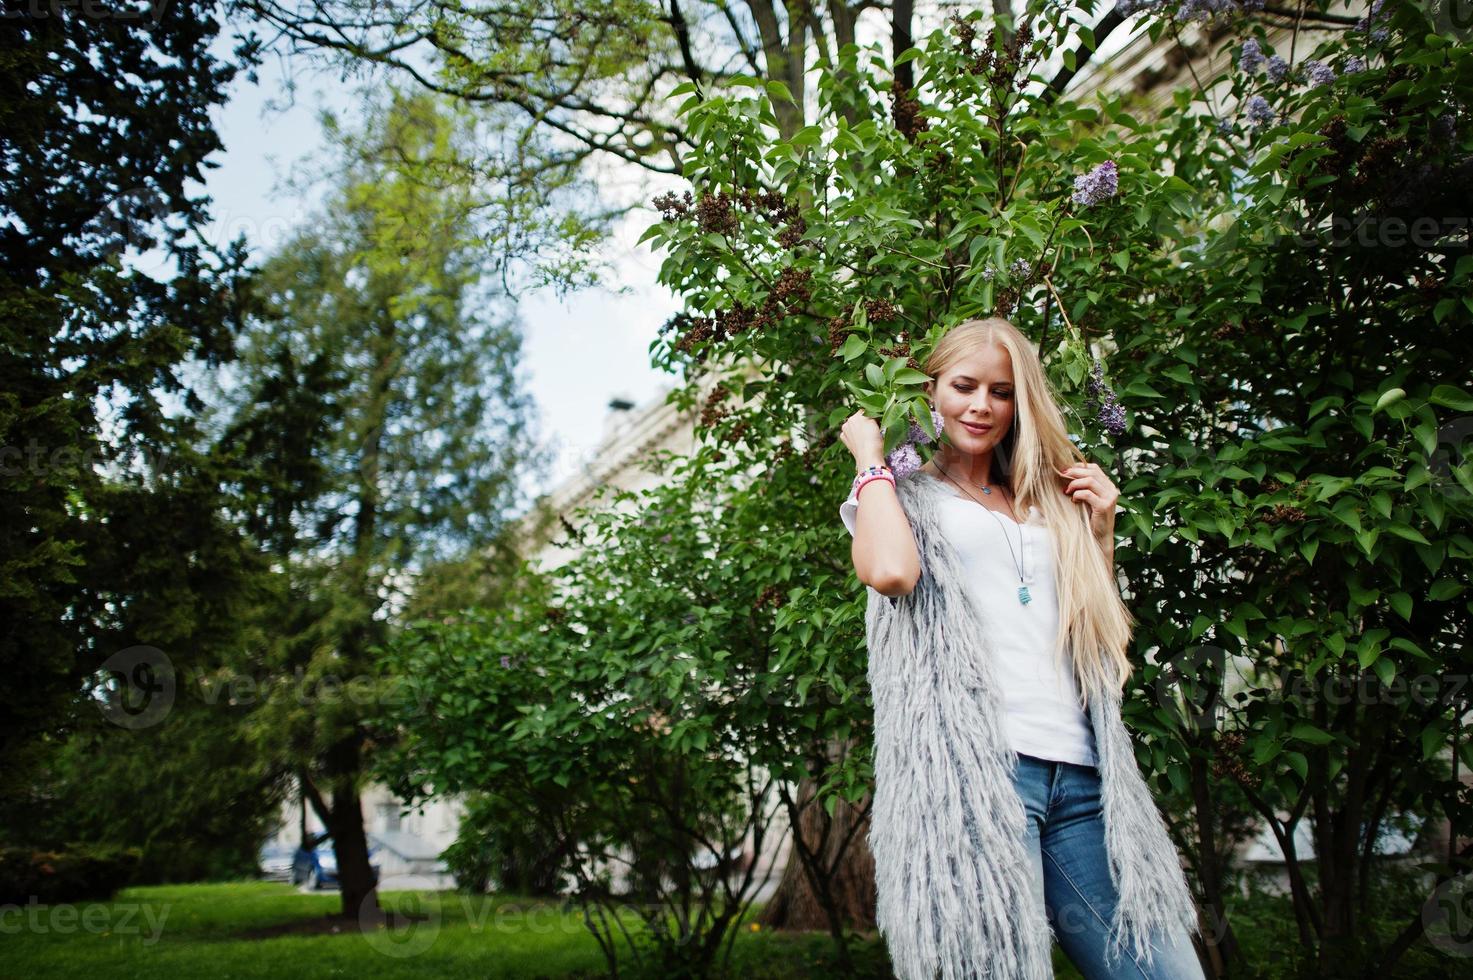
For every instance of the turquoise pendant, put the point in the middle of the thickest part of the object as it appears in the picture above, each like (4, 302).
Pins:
(1023, 595)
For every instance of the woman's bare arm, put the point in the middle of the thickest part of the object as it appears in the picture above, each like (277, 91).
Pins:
(884, 548)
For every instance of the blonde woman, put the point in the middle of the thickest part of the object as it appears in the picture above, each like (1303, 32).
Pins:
(1009, 811)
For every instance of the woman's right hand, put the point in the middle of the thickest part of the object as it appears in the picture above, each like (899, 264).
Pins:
(864, 439)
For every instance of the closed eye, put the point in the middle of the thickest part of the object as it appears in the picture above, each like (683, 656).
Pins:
(1004, 393)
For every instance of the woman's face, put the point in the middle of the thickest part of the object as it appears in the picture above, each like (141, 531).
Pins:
(975, 399)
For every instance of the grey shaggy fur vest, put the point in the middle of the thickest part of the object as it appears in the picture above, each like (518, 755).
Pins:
(948, 828)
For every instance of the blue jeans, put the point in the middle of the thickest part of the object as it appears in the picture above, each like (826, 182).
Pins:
(1071, 875)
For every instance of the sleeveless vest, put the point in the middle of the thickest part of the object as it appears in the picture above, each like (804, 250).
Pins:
(948, 828)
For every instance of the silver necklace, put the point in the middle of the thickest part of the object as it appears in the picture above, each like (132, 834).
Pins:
(1023, 595)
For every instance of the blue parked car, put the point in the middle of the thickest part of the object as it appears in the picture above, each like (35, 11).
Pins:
(318, 867)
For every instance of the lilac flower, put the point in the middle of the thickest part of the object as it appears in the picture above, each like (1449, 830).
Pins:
(1260, 113)
(1208, 9)
(1378, 34)
(1188, 10)
(989, 273)
(918, 435)
(1101, 182)
(1224, 127)
(1020, 269)
(1319, 73)
(1100, 399)
(904, 460)
(1354, 64)
(1252, 57)
(505, 661)
(1278, 69)
(1365, 22)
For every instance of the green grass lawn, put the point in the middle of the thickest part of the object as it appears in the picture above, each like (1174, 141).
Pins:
(214, 931)
(200, 931)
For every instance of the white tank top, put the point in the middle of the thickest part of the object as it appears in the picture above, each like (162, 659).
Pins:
(1040, 697)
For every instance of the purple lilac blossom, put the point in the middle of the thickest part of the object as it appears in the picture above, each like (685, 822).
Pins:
(1365, 22)
(1020, 269)
(1354, 64)
(1319, 73)
(1252, 57)
(1100, 399)
(903, 461)
(1100, 182)
(1260, 113)
(1278, 68)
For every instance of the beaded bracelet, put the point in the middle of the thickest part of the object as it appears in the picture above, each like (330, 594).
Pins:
(869, 471)
(873, 478)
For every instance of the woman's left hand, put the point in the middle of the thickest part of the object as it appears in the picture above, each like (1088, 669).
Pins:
(1088, 484)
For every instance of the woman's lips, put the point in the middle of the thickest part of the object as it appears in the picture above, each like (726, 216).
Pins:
(976, 430)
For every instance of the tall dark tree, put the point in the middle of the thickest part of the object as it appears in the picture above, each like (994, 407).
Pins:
(110, 533)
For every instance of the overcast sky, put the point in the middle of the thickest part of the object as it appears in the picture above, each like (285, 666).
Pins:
(579, 352)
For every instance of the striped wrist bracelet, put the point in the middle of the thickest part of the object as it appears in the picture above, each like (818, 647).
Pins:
(873, 478)
(869, 471)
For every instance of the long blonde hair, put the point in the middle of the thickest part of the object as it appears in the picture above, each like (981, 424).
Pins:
(1094, 621)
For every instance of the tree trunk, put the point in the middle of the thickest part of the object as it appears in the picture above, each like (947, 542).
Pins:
(355, 875)
(344, 823)
(794, 904)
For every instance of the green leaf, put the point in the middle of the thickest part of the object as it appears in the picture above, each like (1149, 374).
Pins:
(1434, 737)
(1306, 732)
(1404, 531)
(1389, 397)
(853, 347)
(1140, 389)
(1444, 589)
(1450, 397)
